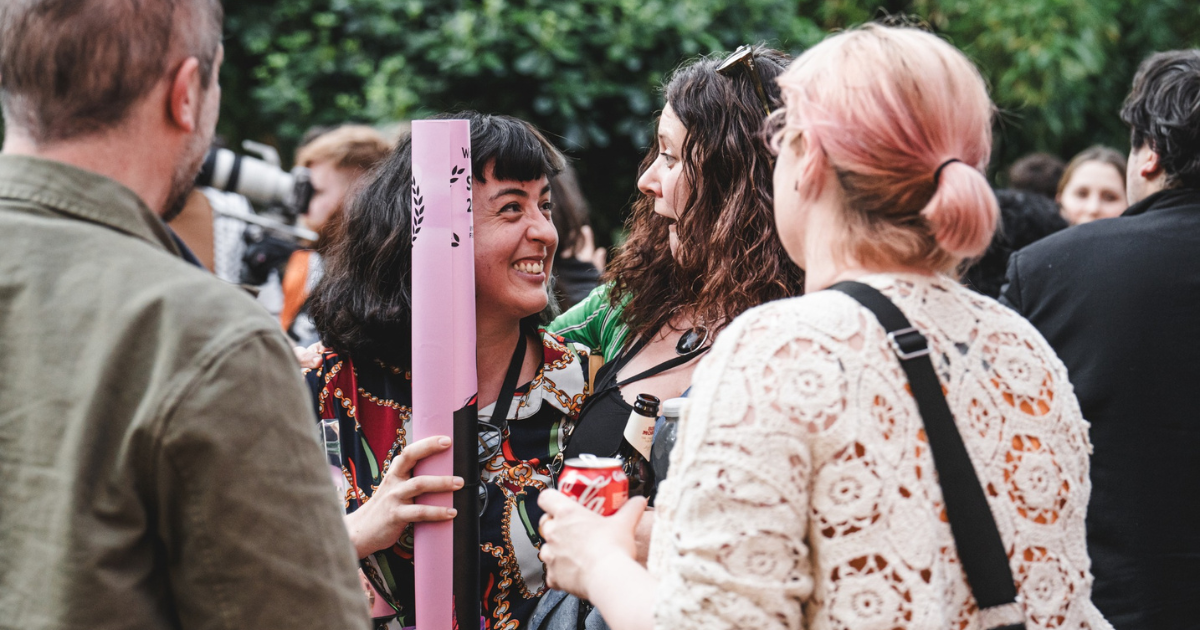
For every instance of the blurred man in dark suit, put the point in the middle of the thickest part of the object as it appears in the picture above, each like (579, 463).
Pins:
(1120, 302)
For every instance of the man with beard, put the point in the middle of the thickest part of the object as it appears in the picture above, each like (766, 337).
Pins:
(157, 462)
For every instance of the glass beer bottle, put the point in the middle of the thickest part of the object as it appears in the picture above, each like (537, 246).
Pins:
(635, 445)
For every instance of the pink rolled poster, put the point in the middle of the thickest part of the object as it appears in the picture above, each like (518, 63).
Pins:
(446, 555)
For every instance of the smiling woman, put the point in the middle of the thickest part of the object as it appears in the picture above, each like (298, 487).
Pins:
(528, 397)
(515, 243)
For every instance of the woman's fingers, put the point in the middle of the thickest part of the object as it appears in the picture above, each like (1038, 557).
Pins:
(307, 359)
(426, 484)
(417, 451)
(417, 513)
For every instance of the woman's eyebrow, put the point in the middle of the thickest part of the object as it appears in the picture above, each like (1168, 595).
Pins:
(511, 191)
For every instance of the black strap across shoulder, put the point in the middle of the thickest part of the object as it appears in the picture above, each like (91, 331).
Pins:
(976, 537)
(508, 388)
(604, 413)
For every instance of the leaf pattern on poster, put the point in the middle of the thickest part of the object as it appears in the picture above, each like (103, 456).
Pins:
(418, 203)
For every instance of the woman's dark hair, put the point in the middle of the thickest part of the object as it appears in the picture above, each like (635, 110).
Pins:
(363, 304)
(1163, 111)
(1025, 218)
(571, 213)
(730, 258)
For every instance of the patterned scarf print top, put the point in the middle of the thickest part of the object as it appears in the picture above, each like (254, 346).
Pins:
(365, 412)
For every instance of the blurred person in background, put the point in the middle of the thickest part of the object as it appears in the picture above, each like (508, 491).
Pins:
(156, 442)
(1119, 300)
(337, 160)
(1037, 173)
(1093, 186)
(529, 396)
(1025, 218)
(803, 490)
(578, 263)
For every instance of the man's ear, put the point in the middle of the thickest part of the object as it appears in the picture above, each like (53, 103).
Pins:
(1150, 168)
(185, 96)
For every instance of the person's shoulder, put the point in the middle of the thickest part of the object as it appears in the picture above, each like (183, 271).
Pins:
(558, 351)
(196, 298)
(826, 311)
(827, 318)
(175, 308)
(1080, 241)
(564, 373)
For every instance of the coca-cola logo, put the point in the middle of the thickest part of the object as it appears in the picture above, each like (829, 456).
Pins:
(588, 490)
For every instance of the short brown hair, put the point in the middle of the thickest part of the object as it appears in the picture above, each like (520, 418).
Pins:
(70, 68)
(1037, 172)
(349, 147)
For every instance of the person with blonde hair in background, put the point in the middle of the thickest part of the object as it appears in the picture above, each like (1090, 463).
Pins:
(803, 488)
(337, 160)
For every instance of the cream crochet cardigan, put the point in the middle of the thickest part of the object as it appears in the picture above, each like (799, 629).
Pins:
(802, 492)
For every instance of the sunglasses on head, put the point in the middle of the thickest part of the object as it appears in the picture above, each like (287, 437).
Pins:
(743, 57)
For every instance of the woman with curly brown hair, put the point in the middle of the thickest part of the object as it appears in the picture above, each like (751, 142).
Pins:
(702, 244)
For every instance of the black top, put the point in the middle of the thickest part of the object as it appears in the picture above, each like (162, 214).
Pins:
(1119, 300)
(604, 414)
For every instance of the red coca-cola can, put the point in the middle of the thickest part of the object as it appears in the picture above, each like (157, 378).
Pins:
(597, 483)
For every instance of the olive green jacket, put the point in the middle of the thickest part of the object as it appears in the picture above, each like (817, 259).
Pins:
(158, 460)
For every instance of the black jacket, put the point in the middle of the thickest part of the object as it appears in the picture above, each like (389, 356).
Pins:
(1119, 300)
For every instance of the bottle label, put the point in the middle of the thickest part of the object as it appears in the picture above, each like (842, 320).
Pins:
(639, 432)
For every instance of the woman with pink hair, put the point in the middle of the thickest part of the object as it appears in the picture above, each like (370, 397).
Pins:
(898, 452)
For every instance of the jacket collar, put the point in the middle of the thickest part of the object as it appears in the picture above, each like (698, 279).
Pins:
(1163, 200)
(82, 195)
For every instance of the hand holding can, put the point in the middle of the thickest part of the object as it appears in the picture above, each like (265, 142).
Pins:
(597, 483)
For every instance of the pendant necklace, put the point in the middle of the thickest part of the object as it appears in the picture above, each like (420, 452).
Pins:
(691, 340)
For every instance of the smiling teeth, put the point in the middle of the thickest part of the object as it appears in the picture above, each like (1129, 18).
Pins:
(528, 267)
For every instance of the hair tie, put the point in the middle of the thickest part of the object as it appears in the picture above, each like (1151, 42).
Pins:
(937, 175)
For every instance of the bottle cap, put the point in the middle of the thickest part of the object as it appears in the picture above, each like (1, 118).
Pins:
(673, 408)
(647, 405)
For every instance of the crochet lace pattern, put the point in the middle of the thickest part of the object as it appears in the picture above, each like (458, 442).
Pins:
(803, 493)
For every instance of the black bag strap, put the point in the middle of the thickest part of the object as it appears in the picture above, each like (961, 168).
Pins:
(980, 548)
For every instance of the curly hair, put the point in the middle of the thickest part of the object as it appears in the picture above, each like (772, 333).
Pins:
(729, 258)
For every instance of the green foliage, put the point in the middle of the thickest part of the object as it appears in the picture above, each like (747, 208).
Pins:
(586, 71)
(583, 69)
(1060, 69)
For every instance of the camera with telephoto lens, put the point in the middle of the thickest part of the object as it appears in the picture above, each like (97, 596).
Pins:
(261, 181)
